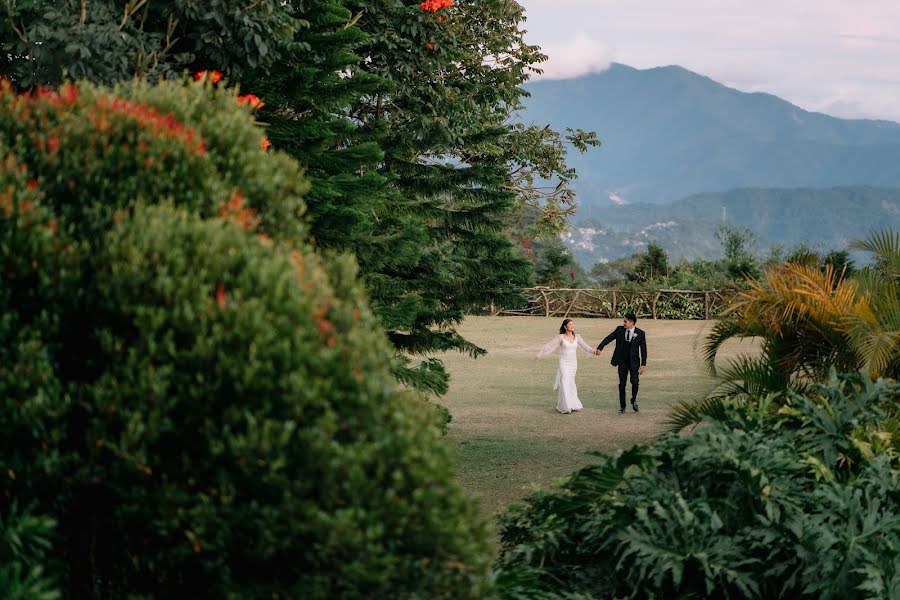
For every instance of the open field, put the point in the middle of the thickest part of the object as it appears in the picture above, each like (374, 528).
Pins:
(507, 433)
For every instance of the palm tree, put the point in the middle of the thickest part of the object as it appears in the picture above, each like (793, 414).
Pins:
(875, 333)
(809, 321)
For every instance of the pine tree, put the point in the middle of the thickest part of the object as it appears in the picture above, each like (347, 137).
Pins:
(461, 164)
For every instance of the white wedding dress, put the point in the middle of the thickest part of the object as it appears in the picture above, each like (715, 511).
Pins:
(567, 400)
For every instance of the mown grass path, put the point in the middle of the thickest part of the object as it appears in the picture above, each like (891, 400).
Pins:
(507, 434)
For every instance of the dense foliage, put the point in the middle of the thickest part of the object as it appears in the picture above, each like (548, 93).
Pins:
(416, 165)
(800, 502)
(42, 43)
(201, 403)
(25, 539)
(414, 160)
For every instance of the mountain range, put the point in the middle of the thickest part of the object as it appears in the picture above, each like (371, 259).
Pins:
(824, 219)
(668, 133)
(682, 155)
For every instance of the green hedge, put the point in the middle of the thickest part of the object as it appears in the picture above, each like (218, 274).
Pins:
(203, 404)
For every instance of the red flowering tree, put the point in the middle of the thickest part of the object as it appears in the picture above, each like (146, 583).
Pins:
(202, 403)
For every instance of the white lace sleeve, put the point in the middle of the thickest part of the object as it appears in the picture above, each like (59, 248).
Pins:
(549, 347)
(583, 345)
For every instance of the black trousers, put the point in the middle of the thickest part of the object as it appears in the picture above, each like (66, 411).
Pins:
(624, 371)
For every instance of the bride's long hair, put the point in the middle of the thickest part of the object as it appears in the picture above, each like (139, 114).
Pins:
(562, 328)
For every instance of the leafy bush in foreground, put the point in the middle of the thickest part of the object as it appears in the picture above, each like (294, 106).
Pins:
(201, 403)
(801, 503)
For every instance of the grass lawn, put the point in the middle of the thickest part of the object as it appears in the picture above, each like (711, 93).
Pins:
(506, 431)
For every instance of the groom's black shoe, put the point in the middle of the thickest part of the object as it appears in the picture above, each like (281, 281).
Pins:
(634, 406)
(622, 411)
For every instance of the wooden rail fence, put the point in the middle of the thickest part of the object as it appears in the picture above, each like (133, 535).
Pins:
(658, 304)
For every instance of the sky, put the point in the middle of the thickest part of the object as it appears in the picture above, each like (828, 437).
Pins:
(840, 57)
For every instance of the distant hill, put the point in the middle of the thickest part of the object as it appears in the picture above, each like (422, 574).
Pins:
(825, 219)
(668, 133)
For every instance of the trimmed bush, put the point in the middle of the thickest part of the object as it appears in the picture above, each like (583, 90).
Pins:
(203, 404)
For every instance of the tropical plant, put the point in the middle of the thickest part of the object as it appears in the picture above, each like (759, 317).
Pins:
(794, 498)
(875, 330)
(796, 311)
(809, 318)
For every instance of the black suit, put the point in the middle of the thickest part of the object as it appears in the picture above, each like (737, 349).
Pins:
(629, 357)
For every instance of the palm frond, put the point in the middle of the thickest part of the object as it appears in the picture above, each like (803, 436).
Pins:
(874, 331)
(690, 413)
(731, 326)
(884, 244)
(753, 377)
(799, 311)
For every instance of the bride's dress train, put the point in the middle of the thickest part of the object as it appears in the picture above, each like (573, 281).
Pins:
(567, 400)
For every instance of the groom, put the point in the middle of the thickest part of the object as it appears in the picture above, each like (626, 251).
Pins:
(630, 356)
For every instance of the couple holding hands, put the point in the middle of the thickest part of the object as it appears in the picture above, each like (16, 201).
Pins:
(630, 356)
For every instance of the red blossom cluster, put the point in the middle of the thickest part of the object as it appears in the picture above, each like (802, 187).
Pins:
(214, 76)
(234, 210)
(435, 5)
(66, 96)
(252, 100)
(149, 118)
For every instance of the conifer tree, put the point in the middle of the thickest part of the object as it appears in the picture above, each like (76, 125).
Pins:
(459, 160)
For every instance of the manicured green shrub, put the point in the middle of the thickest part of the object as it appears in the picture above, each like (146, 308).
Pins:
(802, 502)
(203, 404)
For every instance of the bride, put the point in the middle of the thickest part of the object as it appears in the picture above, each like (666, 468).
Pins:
(568, 341)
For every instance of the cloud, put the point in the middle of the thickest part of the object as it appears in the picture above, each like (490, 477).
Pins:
(809, 52)
(578, 56)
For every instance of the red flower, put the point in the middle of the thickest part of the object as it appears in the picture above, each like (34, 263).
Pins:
(32, 184)
(435, 5)
(235, 210)
(430, 46)
(220, 295)
(53, 144)
(70, 92)
(149, 118)
(265, 144)
(214, 76)
(251, 99)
